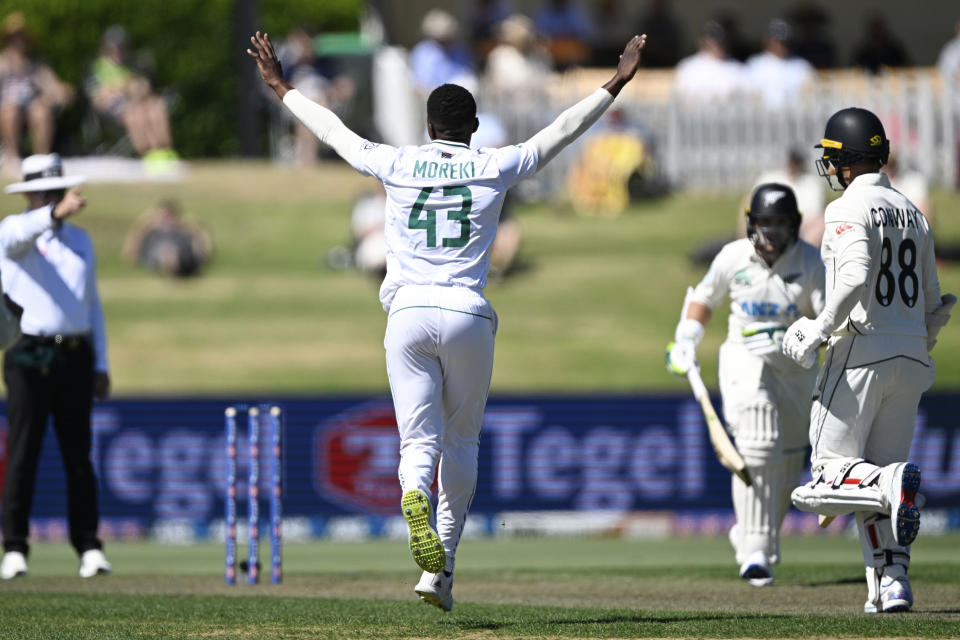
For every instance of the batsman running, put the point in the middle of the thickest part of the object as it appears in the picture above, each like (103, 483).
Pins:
(882, 314)
(772, 278)
(443, 205)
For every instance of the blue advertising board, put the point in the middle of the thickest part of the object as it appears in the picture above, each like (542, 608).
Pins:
(162, 461)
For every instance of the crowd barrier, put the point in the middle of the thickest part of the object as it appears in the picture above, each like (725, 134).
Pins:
(724, 144)
(636, 465)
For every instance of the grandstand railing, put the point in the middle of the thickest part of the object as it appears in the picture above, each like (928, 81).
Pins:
(725, 144)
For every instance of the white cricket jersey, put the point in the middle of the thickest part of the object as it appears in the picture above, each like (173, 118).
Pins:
(50, 271)
(443, 207)
(793, 287)
(873, 224)
(789, 289)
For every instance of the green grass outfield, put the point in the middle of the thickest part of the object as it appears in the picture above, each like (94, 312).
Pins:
(592, 311)
(506, 588)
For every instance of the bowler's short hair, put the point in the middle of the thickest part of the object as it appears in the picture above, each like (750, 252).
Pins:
(451, 107)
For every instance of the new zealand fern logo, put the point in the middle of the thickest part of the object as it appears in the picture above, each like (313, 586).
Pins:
(742, 278)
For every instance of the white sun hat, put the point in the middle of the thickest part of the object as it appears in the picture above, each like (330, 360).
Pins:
(43, 172)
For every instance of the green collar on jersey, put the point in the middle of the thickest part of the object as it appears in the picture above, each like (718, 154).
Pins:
(451, 143)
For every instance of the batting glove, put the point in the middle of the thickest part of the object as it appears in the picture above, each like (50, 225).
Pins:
(801, 341)
(938, 318)
(763, 338)
(681, 356)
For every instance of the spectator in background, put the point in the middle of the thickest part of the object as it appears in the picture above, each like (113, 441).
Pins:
(163, 240)
(123, 95)
(485, 16)
(568, 29)
(808, 189)
(948, 62)
(775, 74)
(611, 29)
(879, 47)
(315, 78)
(709, 74)
(739, 47)
(614, 166)
(30, 92)
(664, 35)
(811, 41)
(517, 68)
(440, 58)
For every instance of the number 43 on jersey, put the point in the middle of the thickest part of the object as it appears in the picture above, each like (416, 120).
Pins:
(426, 219)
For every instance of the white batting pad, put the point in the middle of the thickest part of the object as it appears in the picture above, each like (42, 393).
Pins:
(842, 486)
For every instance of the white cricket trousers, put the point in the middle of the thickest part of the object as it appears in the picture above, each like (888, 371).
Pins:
(866, 411)
(439, 348)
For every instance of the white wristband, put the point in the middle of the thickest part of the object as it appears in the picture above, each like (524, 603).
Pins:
(689, 329)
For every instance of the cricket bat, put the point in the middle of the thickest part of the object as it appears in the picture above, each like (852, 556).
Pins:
(727, 454)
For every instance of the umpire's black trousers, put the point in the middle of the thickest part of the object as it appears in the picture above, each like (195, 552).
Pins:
(49, 376)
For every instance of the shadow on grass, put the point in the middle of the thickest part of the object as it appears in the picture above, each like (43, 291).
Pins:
(837, 582)
(638, 617)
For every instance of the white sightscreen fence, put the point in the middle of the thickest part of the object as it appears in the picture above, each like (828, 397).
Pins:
(725, 144)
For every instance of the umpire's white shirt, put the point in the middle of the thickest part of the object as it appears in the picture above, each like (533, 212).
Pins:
(50, 271)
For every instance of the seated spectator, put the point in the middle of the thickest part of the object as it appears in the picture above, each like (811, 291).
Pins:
(518, 67)
(485, 17)
(948, 62)
(775, 74)
(611, 30)
(614, 167)
(440, 57)
(315, 78)
(664, 35)
(568, 30)
(123, 95)
(30, 92)
(811, 35)
(739, 46)
(879, 48)
(709, 74)
(165, 241)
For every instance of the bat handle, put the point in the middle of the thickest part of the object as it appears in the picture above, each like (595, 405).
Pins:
(696, 382)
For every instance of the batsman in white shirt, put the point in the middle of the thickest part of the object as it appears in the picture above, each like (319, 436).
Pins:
(443, 205)
(881, 318)
(772, 278)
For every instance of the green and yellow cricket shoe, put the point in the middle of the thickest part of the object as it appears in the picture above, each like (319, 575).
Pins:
(424, 541)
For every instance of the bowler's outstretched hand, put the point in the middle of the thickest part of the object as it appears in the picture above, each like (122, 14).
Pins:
(268, 64)
(630, 58)
(628, 65)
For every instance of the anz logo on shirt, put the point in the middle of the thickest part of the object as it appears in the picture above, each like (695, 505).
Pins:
(763, 309)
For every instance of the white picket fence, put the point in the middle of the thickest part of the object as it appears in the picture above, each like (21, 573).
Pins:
(724, 145)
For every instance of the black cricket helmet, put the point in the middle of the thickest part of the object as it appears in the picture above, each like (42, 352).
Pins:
(851, 135)
(773, 220)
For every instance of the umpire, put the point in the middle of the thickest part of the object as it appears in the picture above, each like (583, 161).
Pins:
(58, 365)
